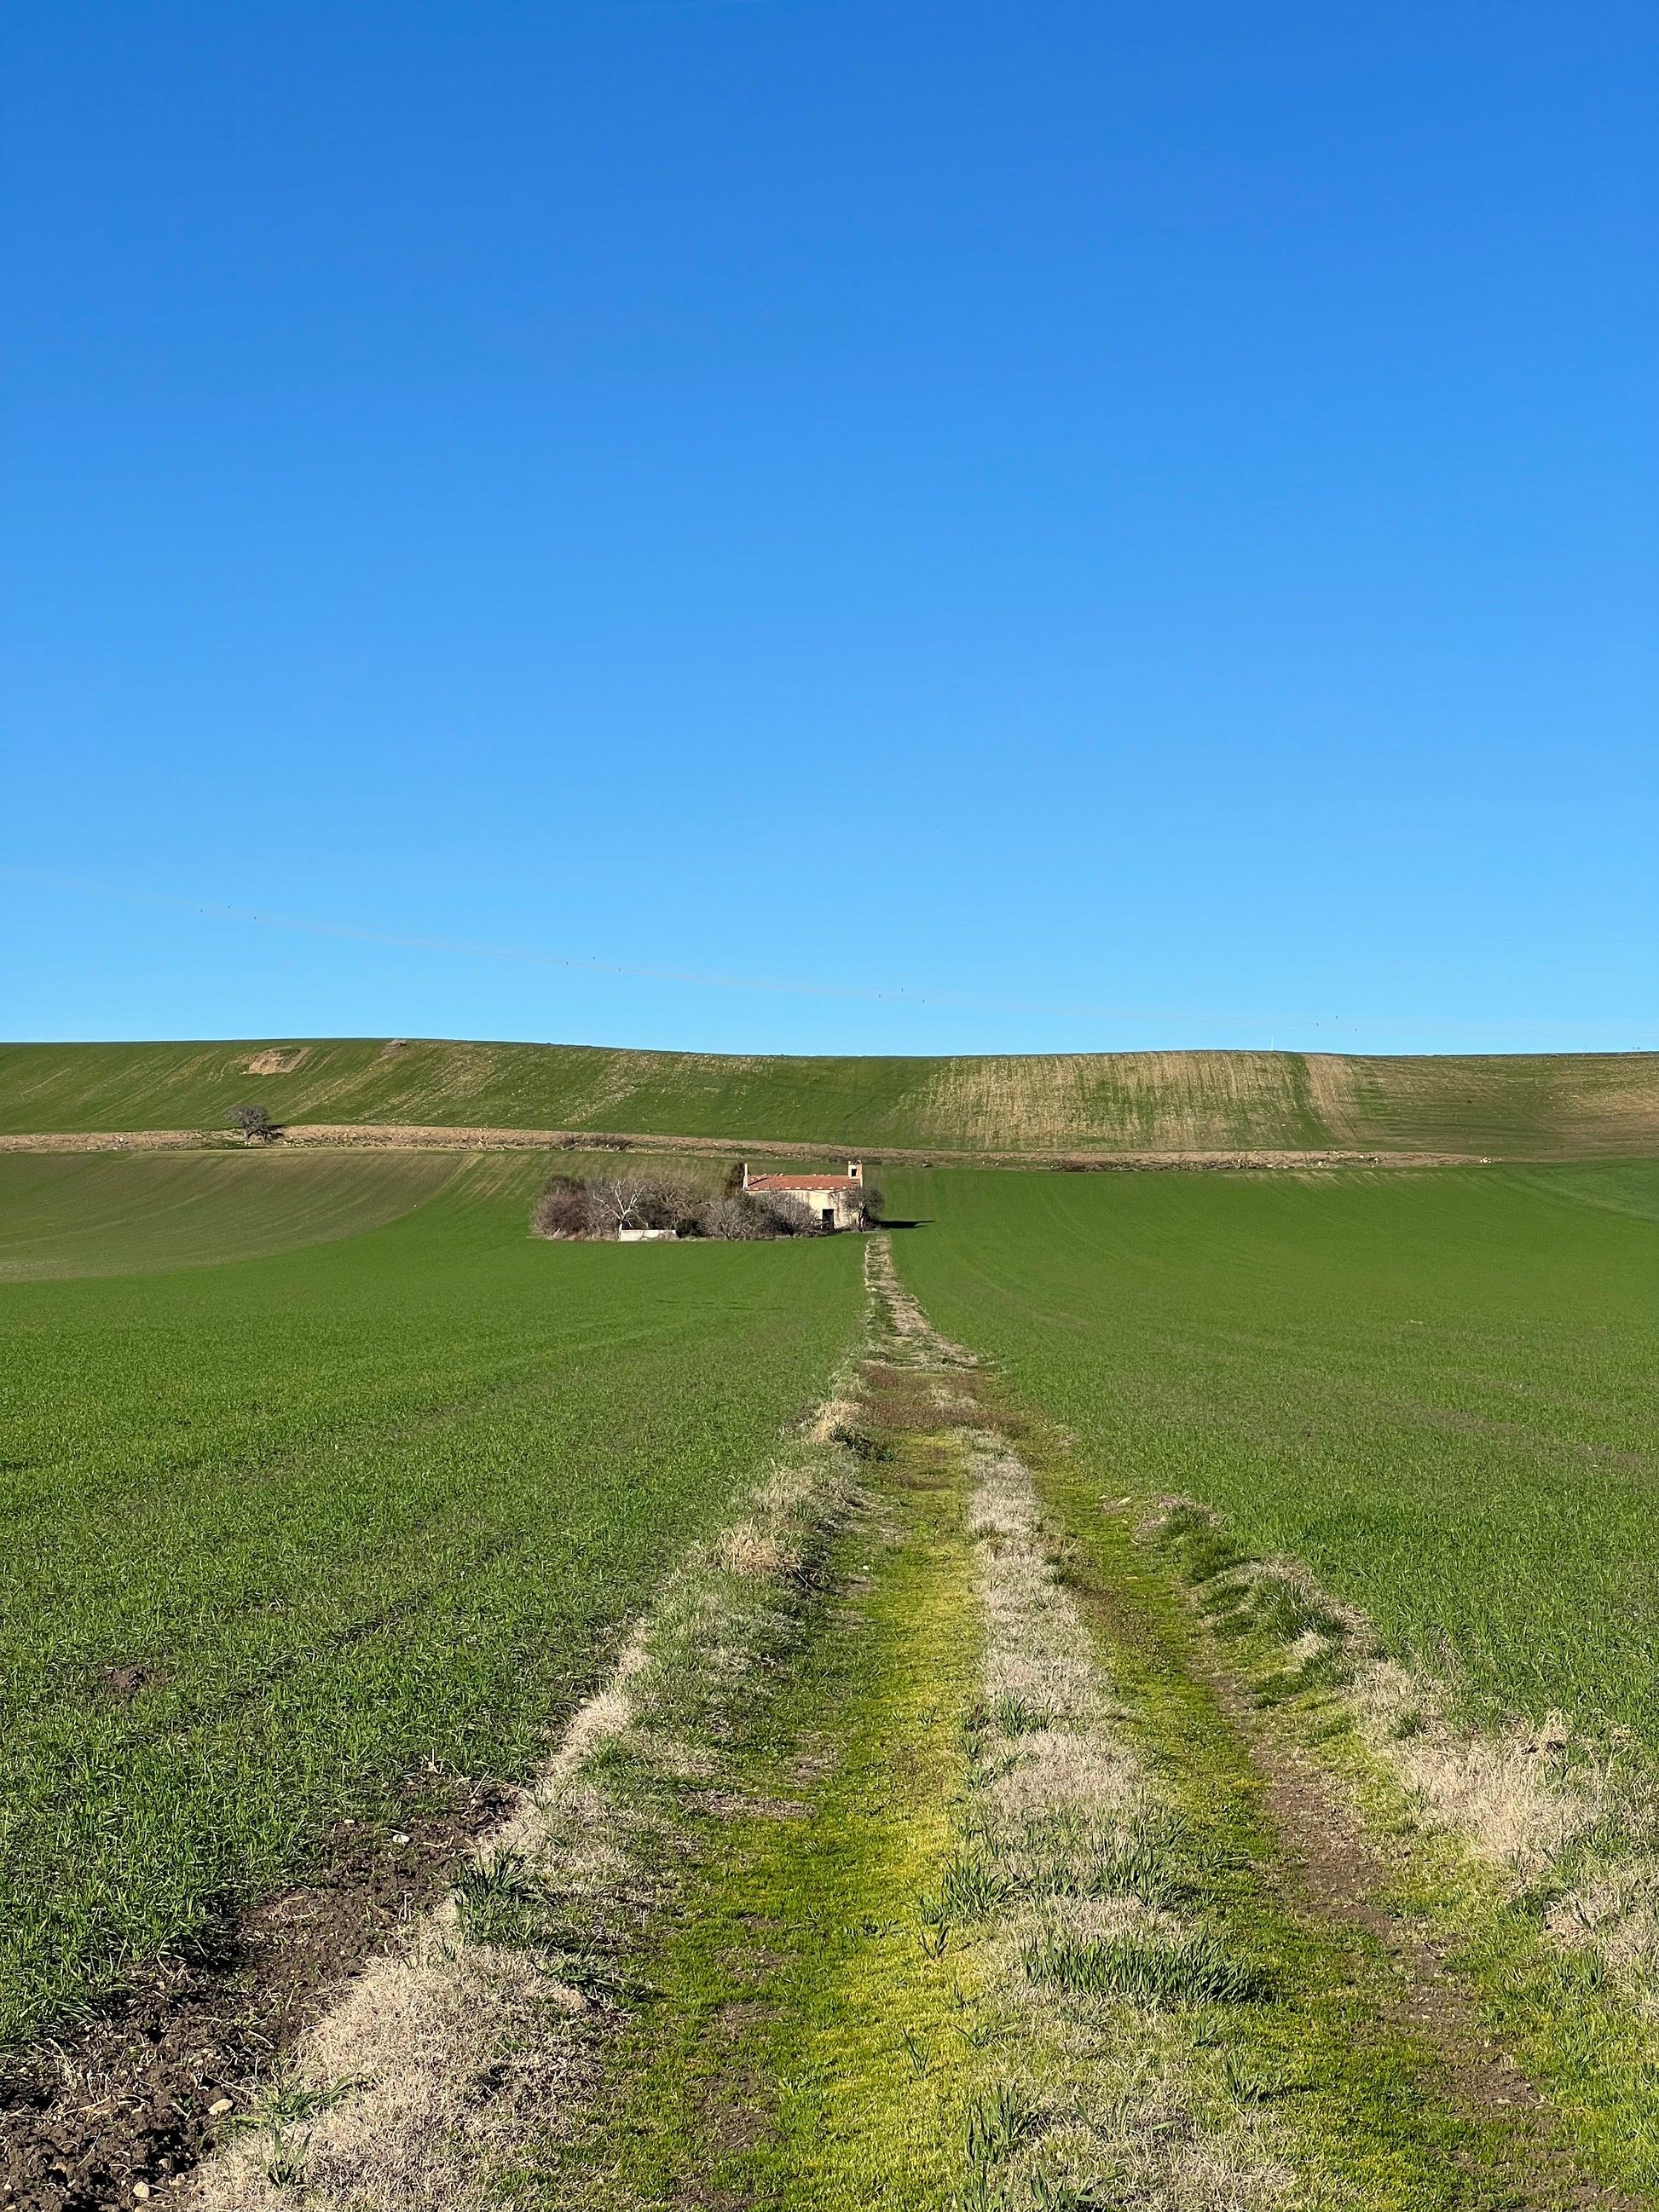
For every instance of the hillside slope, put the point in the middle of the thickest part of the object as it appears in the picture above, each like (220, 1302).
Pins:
(1542, 1105)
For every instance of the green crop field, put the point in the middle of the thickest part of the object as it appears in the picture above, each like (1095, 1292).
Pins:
(285, 1531)
(1539, 1106)
(953, 1850)
(99, 1213)
(1438, 1388)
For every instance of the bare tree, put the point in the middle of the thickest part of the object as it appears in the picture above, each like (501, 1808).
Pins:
(619, 1202)
(255, 1124)
(601, 1206)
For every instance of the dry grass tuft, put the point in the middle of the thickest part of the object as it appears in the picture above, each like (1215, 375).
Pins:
(746, 1550)
(1518, 1798)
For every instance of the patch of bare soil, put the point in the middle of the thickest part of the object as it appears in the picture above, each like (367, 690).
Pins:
(904, 1401)
(275, 1061)
(1342, 1878)
(111, 1141)
(133, 2099)
(406, 1137)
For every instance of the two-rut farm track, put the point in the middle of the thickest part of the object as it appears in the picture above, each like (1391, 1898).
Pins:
(1001, 1892)
(927, 1852)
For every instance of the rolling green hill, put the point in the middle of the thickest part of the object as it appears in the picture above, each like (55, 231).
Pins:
(1519, 1106)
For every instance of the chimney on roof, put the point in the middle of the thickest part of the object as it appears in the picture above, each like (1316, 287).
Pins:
(745, 1175)
(856, 1169)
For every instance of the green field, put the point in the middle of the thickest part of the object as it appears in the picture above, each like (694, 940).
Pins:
(330, 1492)
(1436, 1388)
(97, 1213)
(1540, 1106)
(285, 1531)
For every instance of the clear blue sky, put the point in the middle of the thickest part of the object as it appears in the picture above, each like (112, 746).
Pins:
(1067, 525)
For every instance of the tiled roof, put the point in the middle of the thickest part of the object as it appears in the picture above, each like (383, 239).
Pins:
(805, 1182)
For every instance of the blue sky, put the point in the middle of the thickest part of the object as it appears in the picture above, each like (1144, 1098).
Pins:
(1051, 525)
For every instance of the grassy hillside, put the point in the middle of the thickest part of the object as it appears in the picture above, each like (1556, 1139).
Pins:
(290, 1537)
(1563, 1105)
(1434, 1387)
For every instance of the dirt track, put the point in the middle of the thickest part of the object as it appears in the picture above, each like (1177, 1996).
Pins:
(344, 1136)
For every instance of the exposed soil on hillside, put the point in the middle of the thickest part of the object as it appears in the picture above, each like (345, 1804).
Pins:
(275, 1062)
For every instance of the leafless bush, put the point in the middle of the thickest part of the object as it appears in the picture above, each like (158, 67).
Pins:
(562, 1209)
(600, 1207)
(752, 1216)
(787, 1215)
(255, 1124)
(732, 1219)
(618, 1202)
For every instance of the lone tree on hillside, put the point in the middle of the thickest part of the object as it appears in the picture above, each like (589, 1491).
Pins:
(255, 1124)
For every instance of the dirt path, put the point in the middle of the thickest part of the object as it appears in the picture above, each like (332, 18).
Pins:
(343, 1136)
(1055, 1921)
(926, 1858)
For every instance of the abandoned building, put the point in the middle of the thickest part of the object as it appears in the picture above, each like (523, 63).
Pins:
(837, 1200)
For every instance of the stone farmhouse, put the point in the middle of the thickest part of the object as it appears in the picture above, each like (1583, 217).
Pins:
(837, 1200)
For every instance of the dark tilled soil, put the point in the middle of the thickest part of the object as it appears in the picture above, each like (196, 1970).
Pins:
(128, 2098)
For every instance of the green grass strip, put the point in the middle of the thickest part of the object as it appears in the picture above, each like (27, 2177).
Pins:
(808, 2044)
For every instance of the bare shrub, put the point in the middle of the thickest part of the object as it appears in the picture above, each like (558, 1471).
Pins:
(562, 1209)
(601, 1206)
(752, 1216)
(734, 1219)
(255, 1124)
(617, 1202)
(787, 1215)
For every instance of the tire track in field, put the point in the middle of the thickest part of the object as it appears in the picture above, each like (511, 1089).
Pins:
(1493, 2134)
(1344, 1879)
(1101, 1979)
(1014, 1905)
(1411, 2102)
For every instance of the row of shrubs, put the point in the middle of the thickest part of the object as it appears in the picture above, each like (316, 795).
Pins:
(598, 1207)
